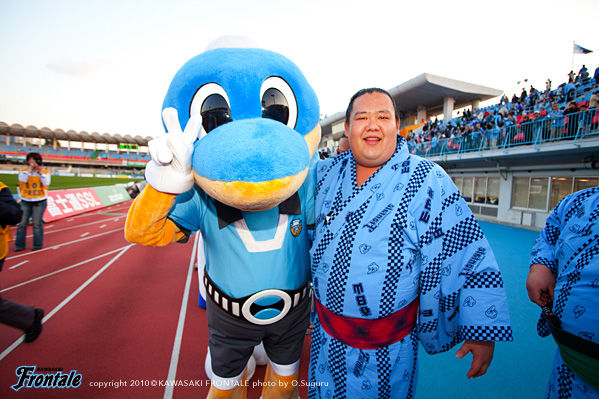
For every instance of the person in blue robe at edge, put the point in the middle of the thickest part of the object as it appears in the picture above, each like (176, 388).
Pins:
(397, 258)
(564, 280)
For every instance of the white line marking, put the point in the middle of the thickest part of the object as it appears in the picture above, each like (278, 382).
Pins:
(67, 300)
(80, 225)
(101, 227)
(67, 243)
(61, 270)
(172, 371)
(18, 264)
(84, 234)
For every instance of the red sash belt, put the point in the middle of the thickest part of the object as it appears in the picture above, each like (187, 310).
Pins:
(369, 333)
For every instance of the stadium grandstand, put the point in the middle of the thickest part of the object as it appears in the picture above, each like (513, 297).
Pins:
(513, 160)
(73, 153)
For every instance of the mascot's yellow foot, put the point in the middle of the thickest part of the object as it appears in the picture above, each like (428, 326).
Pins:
(279, 387)
(235, 393)
(239, 392)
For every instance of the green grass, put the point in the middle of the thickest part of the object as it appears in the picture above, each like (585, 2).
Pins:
(69, 182)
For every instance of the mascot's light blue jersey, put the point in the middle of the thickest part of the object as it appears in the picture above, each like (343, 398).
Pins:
(405, 233)
(247, 252)
(569, 246)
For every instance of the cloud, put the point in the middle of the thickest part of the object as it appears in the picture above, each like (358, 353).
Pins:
(78, 69)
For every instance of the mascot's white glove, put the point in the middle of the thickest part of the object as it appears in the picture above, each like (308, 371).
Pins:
(169, 171)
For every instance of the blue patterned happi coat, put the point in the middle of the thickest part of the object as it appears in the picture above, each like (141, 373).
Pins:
(405, 233)
(569, 246)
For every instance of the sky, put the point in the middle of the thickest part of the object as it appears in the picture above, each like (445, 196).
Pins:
(105, 66)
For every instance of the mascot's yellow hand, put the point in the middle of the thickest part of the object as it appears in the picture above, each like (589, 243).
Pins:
(169, 170)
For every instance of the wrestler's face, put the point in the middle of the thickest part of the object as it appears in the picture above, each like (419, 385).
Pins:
(372, 129)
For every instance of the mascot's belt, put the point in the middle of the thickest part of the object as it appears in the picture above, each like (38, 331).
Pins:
(369, 333)
(262, 308)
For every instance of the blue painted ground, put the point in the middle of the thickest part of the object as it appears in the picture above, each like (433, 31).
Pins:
(521, 368)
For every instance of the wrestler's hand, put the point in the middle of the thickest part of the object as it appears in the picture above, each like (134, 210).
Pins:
(482, 355)
(540, 284)
(169, 171)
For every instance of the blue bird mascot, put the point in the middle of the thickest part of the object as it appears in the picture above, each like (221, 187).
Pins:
(237, 164)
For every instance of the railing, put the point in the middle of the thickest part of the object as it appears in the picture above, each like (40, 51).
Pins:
(568, 127)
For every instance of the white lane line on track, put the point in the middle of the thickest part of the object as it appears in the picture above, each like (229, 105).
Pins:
(61, 270)
(80, 225)
(8, 350)
(18, 264)
(172, 371)
(84, 234)
(66, 243)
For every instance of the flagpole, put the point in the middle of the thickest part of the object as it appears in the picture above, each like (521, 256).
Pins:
(573, 45)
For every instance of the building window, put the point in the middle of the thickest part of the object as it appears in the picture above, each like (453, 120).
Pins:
(530, 192)
(537, 198)
(582, 183)
(493, 191)
(480, 190)
(520, 192)
(563, 186)
(467, 189)
(560, 187)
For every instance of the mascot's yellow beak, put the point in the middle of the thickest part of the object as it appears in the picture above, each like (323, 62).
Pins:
(249, 196)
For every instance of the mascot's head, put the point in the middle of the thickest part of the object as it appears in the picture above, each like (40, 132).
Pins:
(259, 123)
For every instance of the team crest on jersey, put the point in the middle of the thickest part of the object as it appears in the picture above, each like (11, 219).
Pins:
(296, 227)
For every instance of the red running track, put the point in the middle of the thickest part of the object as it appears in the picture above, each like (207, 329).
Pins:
(119, 314)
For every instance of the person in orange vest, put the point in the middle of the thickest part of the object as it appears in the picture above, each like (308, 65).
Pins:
(33, 185)
(14, 314)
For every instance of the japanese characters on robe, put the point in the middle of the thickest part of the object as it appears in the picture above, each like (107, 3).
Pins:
(569, 246)
(406, 233)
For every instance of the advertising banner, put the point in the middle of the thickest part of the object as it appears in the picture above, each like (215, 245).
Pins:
(65, 203)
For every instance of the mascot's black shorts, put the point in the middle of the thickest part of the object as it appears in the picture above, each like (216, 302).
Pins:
(232, 340)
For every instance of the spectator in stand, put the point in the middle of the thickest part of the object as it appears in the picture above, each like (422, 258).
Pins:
(571, 118)
(584, 118)
(584, 75)
(548, 85)
(557, 121)
(596, 75)
(560, 92)
(477, 135)
(570, 92)
(518, 107)
(594, 100)
(526, 129)
(593, 105)
(510, 127)
(571, 77)
(493, 133)
(536, 116)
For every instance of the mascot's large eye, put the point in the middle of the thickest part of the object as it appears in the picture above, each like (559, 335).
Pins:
(212, 103)
(215, 112)
(278, 101)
